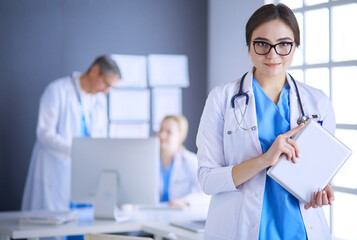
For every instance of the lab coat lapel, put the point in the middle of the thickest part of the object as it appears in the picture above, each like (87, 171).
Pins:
(251, 115)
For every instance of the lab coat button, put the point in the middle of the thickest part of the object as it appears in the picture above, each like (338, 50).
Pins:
(311, 227)
(256, 195)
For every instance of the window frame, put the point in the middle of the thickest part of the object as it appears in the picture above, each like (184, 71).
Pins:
(330, 65)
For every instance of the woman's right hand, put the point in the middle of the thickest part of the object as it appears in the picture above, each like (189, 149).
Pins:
(284, 144)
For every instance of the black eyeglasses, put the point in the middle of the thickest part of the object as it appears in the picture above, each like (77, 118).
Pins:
(263, 48)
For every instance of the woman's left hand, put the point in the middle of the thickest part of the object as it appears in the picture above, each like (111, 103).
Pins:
(321, 198)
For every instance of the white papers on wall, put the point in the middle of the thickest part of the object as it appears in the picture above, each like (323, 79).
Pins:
(129, 105)
(168, 70)
(165, 101)
(133, 70)
(134, 130)
(132, 112)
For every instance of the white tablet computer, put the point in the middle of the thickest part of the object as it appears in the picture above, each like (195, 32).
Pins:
(321, 156)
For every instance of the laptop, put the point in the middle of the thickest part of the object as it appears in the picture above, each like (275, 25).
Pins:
(197, 226)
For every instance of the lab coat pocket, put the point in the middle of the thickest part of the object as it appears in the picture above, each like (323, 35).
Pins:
(223, 215)
(236, 144)
(50, 170)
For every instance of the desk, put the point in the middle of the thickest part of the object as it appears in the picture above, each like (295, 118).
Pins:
(154, 221)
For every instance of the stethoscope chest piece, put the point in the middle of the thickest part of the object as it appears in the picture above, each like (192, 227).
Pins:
(302, 119)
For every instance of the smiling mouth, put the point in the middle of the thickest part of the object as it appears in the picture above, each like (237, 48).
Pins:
(272, 64)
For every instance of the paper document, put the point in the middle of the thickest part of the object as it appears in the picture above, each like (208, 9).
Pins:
(133, 70)
(160, 206)
(47, 217)
(165, 101)
(197, 226)
(129, 130)
(168, 70)
(129, 105)
(321, 156)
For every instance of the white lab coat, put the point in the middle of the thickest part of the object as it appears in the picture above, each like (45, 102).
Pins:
(48, 180)
(183, 180)
(234, 213)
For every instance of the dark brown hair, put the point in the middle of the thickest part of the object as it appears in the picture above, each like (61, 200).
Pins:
(271, 12)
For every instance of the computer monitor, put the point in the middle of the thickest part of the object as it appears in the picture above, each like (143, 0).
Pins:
(108, 172)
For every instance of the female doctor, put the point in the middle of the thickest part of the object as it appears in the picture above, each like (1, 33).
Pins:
(246, 126)
(179, 185)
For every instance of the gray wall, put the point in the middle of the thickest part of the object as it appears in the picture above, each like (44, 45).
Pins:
(42, 40)
(228, 57)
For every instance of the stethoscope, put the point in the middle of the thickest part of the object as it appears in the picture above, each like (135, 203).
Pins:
(302, 119)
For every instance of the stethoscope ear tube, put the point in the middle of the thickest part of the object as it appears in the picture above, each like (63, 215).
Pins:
(302, 119)
(240, 92)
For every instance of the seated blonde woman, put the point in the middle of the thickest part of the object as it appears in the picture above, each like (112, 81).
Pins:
(178, 167)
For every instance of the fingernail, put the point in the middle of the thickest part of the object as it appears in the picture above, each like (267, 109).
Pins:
(323, 192)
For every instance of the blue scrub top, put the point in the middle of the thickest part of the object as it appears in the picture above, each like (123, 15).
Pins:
(281, 217)
(166, 175)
